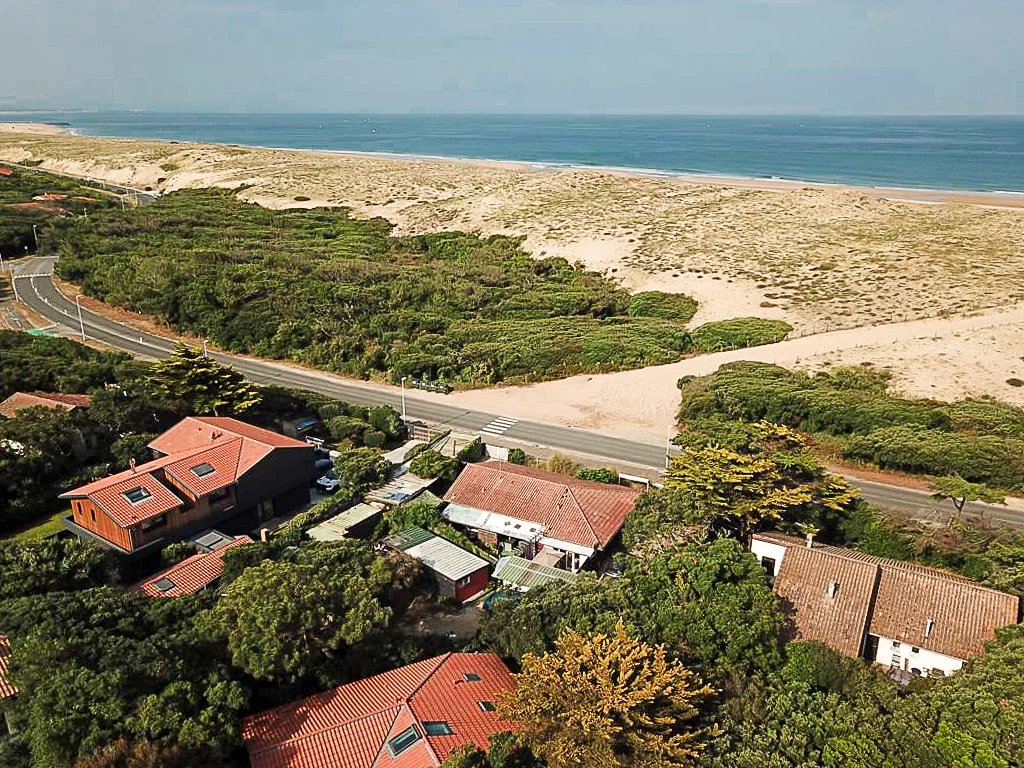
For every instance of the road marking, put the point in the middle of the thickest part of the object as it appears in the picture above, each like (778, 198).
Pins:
(499, 426)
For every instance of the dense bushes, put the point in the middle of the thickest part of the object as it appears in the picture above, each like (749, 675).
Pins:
(324, 289)
(981, 440)
(738, 333)
(667, 306)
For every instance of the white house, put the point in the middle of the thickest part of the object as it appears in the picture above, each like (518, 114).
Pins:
(902, 616)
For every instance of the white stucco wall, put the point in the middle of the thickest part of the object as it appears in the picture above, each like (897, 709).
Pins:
(921, 659)
(762, 549)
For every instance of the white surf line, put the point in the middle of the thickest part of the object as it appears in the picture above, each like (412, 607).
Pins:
(499, 426)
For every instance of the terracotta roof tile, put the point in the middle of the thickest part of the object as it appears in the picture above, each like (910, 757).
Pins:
(579, 511)
(888, 598)
(108, 492)
(350, 726)
(196, 431)
(6, 689)
(21, 400)
(190, 575)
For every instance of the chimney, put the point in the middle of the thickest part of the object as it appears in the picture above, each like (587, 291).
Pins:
(264, 535)
(131, 465)
(810, 540)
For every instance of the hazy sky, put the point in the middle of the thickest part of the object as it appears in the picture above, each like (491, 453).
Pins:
(604, 56)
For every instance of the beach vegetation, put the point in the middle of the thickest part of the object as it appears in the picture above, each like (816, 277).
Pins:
(738, 333)
(980, 440)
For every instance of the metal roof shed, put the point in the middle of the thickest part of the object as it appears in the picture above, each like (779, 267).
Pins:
(461, 574)
(339, 526)
(526, 574)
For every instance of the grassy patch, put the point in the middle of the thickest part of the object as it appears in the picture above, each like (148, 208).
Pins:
(739, 333)
(38, 529)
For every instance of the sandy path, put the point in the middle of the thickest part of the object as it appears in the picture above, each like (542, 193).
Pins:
(642, 404)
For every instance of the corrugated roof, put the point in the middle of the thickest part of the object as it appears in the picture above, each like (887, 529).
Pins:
(190, 575)
(21, 400)
(349, 726)
(437, 553)
(6, 689)
(526, 574)
(338, 526)
(888, 598)
(578, 511)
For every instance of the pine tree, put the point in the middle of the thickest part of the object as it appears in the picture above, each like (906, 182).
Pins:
(204, 384)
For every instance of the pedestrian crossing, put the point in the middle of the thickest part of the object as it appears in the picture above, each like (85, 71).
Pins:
(499, 426)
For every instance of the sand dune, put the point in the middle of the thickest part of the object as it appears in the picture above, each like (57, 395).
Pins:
(824, 258)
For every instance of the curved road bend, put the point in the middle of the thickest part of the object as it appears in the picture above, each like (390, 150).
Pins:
(36, 289)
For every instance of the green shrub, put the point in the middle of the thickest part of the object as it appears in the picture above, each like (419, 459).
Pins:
(598, 475)
(667, 306)
(430, 463)
(517, 456)
(373, 438)
(472, 451)
(738, 333)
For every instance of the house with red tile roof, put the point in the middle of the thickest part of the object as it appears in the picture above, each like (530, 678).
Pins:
(557, 519)
(208, 471)
(410, 717)
(909, 618)
(194, 574)
(6, 171)
(7, 690)
(21, 400)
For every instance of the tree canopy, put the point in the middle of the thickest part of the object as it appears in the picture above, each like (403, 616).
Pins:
(607, 701)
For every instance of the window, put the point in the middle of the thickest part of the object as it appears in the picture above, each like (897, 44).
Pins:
(915, 650)
(403, 741)
(471, 677)
(136, 495)
(164, 584)
(438, 728)
(833, 589)
(929, 625)
(769, 565)
(93, 513)
(464, 582)
(895, 643)
(486, 706)
(202, 470)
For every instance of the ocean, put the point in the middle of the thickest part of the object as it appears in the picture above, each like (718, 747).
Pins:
(958, 153)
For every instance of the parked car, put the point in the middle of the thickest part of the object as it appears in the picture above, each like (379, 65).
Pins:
(328, 483)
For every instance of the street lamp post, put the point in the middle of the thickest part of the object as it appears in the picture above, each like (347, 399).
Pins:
(35, 236)
(81, 322)
(404, 419)
(206, 352)
(10, 267)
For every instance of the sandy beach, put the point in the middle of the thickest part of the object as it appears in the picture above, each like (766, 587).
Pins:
(927, 284)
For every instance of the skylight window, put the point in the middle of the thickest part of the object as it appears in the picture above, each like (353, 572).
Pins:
(164, 584)
(136, 495)
(202, 470)
(471, 677)
(438, 728)
(403, 741)
(486, 706)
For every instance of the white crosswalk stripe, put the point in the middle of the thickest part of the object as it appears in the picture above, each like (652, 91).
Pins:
(499, 426)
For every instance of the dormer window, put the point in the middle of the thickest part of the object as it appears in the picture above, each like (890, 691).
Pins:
(202, 470)
(833, 589)
(403, 741)
(929, 625)
(136, 495)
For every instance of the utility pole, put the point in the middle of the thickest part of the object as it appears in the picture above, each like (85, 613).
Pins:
(81, 322)
(404, 418)
(10, 268)
(35, 236)
(206, 352)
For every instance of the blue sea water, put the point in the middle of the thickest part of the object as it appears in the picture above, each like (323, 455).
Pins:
(961, 153)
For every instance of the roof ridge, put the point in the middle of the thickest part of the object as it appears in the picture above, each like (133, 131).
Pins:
(442, 660)
(391, 726)
(583, 514)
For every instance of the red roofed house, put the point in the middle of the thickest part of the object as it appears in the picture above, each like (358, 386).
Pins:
(21, 400)
(410, 717)
(196, 573)
(906, 617)
(209, 470)
(7, 691)
(6, 171)
(555, 519)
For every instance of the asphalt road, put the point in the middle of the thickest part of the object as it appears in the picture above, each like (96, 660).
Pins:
(36, 289)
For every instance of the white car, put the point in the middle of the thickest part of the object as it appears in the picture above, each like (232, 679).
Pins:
(328, 483)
